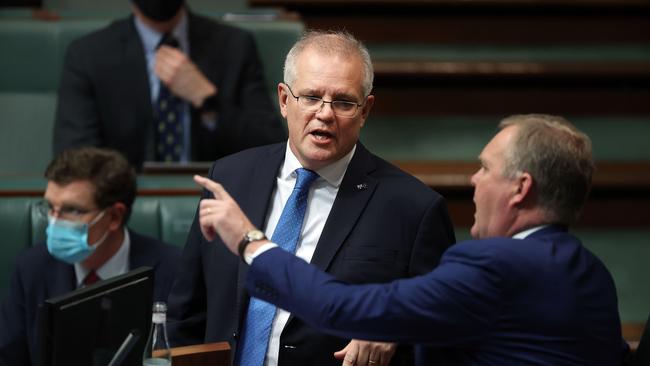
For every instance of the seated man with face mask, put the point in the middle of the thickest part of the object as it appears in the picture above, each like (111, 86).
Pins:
(87, 203)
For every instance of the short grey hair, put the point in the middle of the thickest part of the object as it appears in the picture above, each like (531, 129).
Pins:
(330, 42)
(558, 157)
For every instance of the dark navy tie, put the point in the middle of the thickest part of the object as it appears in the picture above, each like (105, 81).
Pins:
(168, 113)
(287, 232)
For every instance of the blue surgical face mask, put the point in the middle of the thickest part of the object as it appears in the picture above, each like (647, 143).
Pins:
(68, 240)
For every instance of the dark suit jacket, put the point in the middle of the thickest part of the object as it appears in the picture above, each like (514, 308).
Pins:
(104, 98)
(38, 276)
(384, 225)
(544, 300)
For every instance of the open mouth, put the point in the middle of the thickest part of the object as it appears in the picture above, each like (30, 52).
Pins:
(321, 135)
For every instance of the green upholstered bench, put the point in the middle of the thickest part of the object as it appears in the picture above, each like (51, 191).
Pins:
(15, 225)
(87, 8)
(462, 137)
(32, 51)
(26, 132)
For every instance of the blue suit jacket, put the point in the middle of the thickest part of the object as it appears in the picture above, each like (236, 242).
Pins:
(544, 300)
(38, 276)
(384, 225)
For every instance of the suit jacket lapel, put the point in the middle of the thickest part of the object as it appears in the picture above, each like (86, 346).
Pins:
(202, 46)
(256, 202)
(63, 280)
(137, 90)
(138, 255)
(354, 193)
(263, 178)
(356, 189)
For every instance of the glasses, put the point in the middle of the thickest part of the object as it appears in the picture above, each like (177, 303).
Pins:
(69, 213)
(341, 108)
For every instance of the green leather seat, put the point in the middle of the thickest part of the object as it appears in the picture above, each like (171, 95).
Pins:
(26, 132)
(274, 40)
(15, 225)
(167, 218)
(32, 51)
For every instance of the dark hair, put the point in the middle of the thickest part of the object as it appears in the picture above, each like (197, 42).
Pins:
(111, 175)
(558, 157)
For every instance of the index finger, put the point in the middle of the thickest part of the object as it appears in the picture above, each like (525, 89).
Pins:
(217, 189)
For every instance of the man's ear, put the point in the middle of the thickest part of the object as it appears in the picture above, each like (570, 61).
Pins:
(282, 99)
(522, 188)
(367, 106)
(117, 213)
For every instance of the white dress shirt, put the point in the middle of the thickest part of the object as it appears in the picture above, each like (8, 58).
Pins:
(524, 234)
(118, 264)
(319, 204)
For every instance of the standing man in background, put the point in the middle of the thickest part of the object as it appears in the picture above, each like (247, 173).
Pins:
(165, 85)
(87, 203)
(325, 198)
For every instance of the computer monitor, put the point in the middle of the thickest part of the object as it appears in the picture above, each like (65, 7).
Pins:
(88, 326)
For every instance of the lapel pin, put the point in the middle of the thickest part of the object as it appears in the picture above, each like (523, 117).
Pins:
(362, 186)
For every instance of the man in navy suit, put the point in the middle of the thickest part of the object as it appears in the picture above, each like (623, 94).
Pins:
(113, 79)
(525, 293)
(87, 202)
(365, 220)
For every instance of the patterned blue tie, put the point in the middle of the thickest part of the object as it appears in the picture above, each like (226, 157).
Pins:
(287, 232)
(168, 112)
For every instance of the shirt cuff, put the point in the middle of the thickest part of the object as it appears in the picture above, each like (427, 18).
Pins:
(248, 258)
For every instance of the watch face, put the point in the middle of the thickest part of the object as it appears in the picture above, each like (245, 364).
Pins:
(255, 235)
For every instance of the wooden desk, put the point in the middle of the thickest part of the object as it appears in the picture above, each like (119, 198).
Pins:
(209, 354)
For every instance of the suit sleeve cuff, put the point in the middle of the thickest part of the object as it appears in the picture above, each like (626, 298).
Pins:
(248, 258)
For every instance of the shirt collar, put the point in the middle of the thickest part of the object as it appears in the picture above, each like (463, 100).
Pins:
(332, 173)
(150, 37)
(524, 234)
(116, 265)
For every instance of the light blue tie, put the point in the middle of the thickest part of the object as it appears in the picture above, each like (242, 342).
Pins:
(287, 232)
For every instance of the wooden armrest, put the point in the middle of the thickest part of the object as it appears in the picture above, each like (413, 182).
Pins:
(213, 354)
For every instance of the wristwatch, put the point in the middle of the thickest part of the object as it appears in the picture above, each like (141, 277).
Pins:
(249, 237)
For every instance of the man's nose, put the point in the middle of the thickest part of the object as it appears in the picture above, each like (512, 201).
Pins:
(325, 111)
(474, 178)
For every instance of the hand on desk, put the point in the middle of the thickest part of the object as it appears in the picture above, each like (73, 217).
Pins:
(181, 76)
(361, 353)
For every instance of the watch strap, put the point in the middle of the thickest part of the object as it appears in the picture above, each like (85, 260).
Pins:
(243, 244)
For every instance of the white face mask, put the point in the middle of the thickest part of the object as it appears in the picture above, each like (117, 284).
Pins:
(68, 240)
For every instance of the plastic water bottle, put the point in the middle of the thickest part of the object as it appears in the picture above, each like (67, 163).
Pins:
(157, 351)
